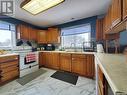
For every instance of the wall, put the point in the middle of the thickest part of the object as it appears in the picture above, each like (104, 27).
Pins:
(123, 38)
(91, 20)
(16, 21)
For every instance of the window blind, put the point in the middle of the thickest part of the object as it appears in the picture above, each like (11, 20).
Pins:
(79, 29)
(7, 26)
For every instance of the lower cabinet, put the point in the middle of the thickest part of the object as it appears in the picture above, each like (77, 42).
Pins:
(48, 59)
(82, 64)
(9, 68)
(79, 64)
(102, 83)
(90, 65)
(65, 62)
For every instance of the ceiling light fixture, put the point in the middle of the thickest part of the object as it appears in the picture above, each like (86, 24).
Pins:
(37, 6)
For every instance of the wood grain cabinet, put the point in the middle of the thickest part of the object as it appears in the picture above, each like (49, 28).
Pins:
(50, 60)
(42, 36)
(9, 68)
(79, 64)
(107, 21)
(32, 34)
(65, 62)
(116, 15)
(22, 32)
(90, 65)
(53, 35)
(124, 9)
(102, 83)
(99, 29)
(42, 59)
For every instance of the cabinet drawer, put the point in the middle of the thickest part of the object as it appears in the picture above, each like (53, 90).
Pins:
(8, 58)
(78, 56)
(9, 75)
(9, 69)
(8, 64)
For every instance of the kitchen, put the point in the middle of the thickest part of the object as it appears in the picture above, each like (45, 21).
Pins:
(75, 53)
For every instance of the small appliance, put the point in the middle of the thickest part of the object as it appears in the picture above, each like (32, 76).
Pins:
(100, 48)
(50, 47)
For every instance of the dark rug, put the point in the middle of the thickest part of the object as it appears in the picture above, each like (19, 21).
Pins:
(27, 78)
(66, 77)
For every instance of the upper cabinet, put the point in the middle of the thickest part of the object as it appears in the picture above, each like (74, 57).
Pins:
(115, 18)
(116, 12)
(53, 35)
(42, 36)
(99, 29)
(26, 32)
(22, 32)
(107, 21)
(124, 9)
(32, 34)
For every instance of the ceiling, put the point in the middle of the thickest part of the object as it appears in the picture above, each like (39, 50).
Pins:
(63, 13)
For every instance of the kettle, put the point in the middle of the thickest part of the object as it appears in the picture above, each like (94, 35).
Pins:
(100, 48)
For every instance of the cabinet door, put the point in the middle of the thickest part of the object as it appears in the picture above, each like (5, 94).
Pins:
(116, 12)
(22, 32)
(124, 9)
(107, 21)
(48, 58)
(90, 66)
(55, 60)
(32, 34)
(49, 37)
(99, 29)
(79, 64)
(42, 59)
(41, 36)
(65, 62)
(55, 35)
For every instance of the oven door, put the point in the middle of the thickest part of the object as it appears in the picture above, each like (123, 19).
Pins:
(23, 65)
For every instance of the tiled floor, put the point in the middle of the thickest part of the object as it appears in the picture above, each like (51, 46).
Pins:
(45, 85)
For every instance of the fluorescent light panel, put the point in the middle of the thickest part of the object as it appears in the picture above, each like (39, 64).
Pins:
(37, 6)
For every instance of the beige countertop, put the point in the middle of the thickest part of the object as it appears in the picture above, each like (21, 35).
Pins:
(8, 54)
(114, 68)
(69, 52)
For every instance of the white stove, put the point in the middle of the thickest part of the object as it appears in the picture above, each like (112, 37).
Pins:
(26, 68)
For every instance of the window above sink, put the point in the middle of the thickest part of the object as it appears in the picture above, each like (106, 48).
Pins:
(74, 37)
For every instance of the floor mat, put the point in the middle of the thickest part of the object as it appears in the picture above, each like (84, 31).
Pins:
(66, 77)
(27, 78)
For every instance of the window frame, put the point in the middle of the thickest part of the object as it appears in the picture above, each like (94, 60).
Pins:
(76, 34)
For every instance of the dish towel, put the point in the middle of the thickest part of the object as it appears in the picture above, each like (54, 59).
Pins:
(31, 57)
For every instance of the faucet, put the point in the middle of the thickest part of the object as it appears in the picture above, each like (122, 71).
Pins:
(73, 46)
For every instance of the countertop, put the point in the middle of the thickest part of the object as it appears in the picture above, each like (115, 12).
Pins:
(69, 52)
(8, 54)
(114, 68)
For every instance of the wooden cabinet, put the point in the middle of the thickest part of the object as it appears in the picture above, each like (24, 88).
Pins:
(102, 83)
(107, 21)
(42, 36)
(32, 34)
(53, 35)
(124, 9)
(9, 68)
(65, 62)
(42, 59)
(55, 60)
(50, 60)
(79, 64)
(90, 65)
(22, 32)
(26, 32)
(99, 30)
(116, 12)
